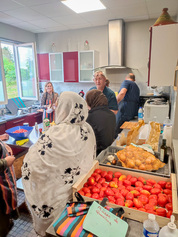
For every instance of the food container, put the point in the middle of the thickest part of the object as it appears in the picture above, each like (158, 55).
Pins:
(19, 136)
(129, 212)
(112, 150)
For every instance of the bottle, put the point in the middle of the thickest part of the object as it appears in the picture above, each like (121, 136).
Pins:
(167, 122)
(169, 230)
(163, 150)
(36, 126)
(140, 113)
(150, 226)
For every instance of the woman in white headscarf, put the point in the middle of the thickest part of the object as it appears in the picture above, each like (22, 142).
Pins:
(57, 160)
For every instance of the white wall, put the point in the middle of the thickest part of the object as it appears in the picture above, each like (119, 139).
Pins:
(16, 34)
(136, 51)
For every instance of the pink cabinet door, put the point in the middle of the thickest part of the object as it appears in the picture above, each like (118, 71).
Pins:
(43, 67)
(70, 62)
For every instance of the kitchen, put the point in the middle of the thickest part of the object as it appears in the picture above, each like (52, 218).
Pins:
(136, 41)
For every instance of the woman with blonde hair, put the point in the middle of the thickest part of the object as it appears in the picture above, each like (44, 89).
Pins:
(48, 101)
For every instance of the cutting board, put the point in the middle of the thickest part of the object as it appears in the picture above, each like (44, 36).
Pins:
(128, 125)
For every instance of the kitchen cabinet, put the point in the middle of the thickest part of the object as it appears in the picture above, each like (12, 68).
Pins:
(70, 62)
(36, 117)
(43, 67)
(163, 55)
(88, 60)
(2, 128)
(56, 67)
(15, 122)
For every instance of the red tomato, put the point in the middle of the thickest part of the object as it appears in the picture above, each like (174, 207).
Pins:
(167, 191)
(162, 200)
(85, 184)
(119, 196)
(109, 192)
(149, 207)
(135, 193)
(162, 183)
(98, 185)
(20, 131)
(94, 175)
(139, 189)
(98, 171)
(124, 192)
(111, 199)
(110, 172)
(128, 203)
(105, 185)
(169, 213)
(161, 211)
(142, 209)
(129, 177)
(168, 206)
(138, 184)
(81, 192)
(103, 188)
(137, 203)
(157, 186)
(130, 188)
(95, 196)
(101, 180)
(122, 177)
(150, 182)
(103, 173)
(97, 177)
(115, 180)
(153, 202)
(120, 183)
(155, 191)
(115, 190)
(143, 199)
(141, 179)
(169, 198)
(151, 211)
(117, 174)
(129, 196)
(87, 194)
(91, 181)
(95, 190)
(145, 192)
(101, 194)
(120, 202)
(147, 187)
(168, 185)
(153, 196)
(126, 183)
(108, 177)
(86, 190)
(133, 180)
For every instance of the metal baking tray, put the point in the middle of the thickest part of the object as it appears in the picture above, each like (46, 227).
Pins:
(103, 159)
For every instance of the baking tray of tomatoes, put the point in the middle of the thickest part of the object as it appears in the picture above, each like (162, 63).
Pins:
(109, 153)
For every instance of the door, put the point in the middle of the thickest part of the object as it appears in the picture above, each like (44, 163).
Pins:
(27, 71)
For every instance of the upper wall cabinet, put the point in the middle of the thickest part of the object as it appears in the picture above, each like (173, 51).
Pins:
(163, 55)
(43, 67)
(56, 67)
(88, 60)
(70, 61)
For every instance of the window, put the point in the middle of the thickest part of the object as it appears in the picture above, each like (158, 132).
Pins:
(19, 64)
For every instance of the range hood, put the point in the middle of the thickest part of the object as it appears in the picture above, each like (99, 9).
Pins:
(116, 39)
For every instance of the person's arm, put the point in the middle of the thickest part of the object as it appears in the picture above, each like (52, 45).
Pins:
(121, 95)
(4, 163)
(4, 136)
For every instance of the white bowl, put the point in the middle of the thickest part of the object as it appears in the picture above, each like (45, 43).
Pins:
(49, 111)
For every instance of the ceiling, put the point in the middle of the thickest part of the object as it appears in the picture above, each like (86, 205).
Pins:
(51, 15)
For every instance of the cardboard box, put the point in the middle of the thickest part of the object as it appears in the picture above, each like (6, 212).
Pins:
(131, 213)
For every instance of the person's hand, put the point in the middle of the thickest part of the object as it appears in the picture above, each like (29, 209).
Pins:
(10, 160)
(40, 110)
(5, 136)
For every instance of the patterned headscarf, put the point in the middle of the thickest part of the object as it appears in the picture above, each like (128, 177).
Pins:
(96, 98)
(63, 153)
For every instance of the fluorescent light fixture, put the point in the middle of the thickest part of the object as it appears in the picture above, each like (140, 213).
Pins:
(80, 6)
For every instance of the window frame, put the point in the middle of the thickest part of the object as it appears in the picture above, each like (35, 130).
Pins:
(3, 78)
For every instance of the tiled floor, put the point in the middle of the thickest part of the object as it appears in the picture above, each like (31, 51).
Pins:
(23, 226)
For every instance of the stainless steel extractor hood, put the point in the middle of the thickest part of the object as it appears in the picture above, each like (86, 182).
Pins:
(116, 45)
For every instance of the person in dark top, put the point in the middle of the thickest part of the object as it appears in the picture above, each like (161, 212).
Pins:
(128, 101)
(100, 82)
(101, 119)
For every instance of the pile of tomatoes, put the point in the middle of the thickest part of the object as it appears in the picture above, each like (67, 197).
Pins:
(136, 193)
(20, 130)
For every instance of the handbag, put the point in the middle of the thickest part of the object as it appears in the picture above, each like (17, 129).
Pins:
(70, 223)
